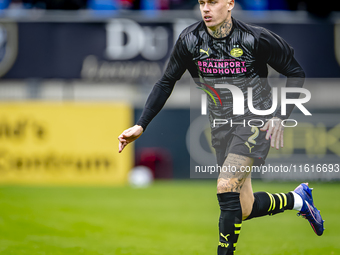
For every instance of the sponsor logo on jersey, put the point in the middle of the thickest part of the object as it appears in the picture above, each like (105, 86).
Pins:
(222, 66)
(236, 52)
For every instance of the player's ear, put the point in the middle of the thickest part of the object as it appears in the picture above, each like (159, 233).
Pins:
(231, 5)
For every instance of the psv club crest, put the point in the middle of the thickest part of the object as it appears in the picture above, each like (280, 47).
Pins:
(236, 51)
(8, 46)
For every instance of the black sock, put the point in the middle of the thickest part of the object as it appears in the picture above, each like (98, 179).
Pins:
(230, 222)
(270, 204)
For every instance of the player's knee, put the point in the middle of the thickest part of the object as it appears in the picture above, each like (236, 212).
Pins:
(224, 186)
(221, 187)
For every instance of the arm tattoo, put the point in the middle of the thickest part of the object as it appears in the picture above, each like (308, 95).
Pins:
(232, 179)
(223, 30)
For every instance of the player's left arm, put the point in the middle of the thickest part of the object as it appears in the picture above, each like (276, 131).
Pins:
(280, 55)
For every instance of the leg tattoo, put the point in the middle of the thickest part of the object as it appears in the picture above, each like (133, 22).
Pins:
(232, 179)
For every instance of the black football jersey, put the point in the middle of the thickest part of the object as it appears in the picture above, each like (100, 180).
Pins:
(239, 59)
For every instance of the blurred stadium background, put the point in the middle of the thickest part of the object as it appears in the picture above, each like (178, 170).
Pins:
(75, 73)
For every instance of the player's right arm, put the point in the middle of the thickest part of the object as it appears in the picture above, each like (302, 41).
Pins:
(160, 93)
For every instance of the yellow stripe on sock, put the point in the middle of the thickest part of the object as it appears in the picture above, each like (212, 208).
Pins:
(274, 203)
(284, 199)
(237, 231)
(280, 200)
(238, 225)
(271, 201)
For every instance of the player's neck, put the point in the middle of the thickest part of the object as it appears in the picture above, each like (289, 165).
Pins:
(221, 30)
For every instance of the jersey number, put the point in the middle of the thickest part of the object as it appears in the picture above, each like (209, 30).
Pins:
(256, 132)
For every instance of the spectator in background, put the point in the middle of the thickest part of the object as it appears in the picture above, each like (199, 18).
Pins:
(320, 10)
(183, 4)
(263, 4)
(55, 4)
(124, 4)
(4, 4)
(143, 4)
(313, 7)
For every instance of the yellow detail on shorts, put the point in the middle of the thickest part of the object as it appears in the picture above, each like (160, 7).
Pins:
(238, 225)
(234, 245)
(284, 199)
(225, 237)
(280, 200)
(236, 52)
(237, 232)
(224, 245)
(256, 132)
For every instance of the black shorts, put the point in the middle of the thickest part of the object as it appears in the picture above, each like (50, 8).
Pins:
(246, 141)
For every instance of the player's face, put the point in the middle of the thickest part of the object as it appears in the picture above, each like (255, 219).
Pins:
(215, 12)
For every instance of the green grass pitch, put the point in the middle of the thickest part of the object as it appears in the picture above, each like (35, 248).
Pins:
(170, 217)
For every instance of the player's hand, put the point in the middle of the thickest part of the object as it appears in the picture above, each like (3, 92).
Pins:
(128, 136)
(274, 131)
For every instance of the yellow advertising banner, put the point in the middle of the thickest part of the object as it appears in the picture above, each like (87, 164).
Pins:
(64, 143)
